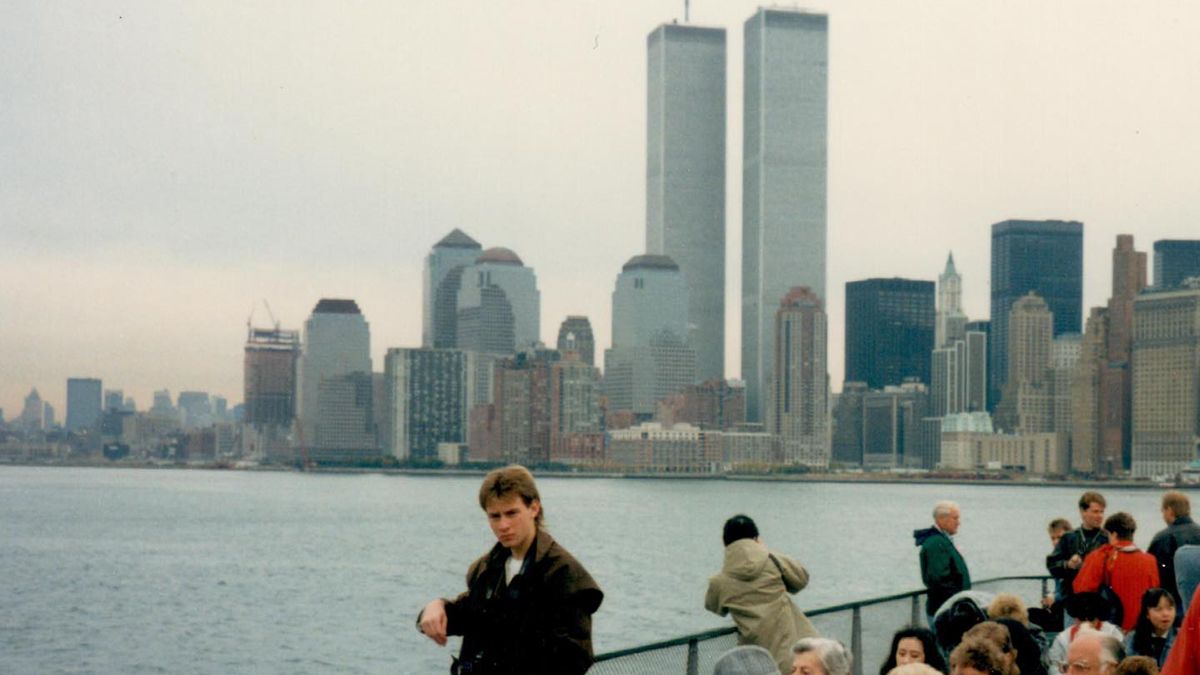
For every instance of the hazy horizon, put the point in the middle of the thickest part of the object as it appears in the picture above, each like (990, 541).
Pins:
(165, 168)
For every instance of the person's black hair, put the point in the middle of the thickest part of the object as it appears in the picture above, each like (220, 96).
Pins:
(933, 656)
(1029, 654)
(739, 527)
(1087, 606)
(1143, 630)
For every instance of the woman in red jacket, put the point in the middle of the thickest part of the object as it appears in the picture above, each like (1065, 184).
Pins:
(1121, 566)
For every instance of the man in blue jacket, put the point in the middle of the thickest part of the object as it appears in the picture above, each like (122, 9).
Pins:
(943, 569)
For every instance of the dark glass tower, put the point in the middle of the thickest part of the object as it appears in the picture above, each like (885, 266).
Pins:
(1174, 261)
(1043, 256)
(889, 330)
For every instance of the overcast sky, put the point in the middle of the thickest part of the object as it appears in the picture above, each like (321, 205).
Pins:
(164, 167)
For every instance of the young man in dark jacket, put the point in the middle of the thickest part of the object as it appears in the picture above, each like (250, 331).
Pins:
(1181, 531)
(942, 567)
(1064, 563)
(529, 604)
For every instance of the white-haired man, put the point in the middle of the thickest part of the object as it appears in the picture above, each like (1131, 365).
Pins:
(942, 567)
(1093, 653)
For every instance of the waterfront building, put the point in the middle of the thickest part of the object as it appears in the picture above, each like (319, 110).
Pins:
(427, 394)
(1086, 455)
(1101, 383)
(1174, 261)
(710, 405)
(784, 178)
(798, 398)
(685, 176)
(575, 335)
(847, 442)
(650, 357)
(114, 399)
(195, 409)
(889, 331)
(895, 433)
(574, 400)
(345, 431)
(1045, 257)
(33, 414)
(441, 281)
(650, 446)
(269, 377)
(522, 407)
(163, 405)
(498, 297)
(1028, 402)
(483, 436)
(84, 398)
(337, 345)
(958, 375)
(969, 443)
(1166, 381)
(750, 450)
(48, 419)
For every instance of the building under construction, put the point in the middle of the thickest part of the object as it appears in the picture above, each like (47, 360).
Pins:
(270, 390)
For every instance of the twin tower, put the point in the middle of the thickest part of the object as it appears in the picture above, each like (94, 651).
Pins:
(784, 167)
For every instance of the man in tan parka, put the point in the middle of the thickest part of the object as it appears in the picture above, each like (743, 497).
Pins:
(753, 586)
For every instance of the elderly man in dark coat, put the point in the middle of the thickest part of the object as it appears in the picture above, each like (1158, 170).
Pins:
(943, 569)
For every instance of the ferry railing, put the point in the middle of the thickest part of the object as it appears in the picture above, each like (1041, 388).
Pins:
(865, 626)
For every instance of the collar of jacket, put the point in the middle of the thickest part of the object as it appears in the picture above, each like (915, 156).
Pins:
(542, 542)
(1182, 520)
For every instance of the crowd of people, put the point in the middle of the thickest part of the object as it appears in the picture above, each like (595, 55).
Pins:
(1115, 609)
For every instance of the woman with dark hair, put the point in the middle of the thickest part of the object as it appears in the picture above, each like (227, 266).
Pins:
(1155, 629)
(913, 645)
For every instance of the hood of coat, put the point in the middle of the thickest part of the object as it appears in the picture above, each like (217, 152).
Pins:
(745, 559)
(919, 536)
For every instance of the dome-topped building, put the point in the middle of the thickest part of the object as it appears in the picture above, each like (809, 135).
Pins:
(500, 256)
(442, 279)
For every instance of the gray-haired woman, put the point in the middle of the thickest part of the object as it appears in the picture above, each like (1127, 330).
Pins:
(820, 656)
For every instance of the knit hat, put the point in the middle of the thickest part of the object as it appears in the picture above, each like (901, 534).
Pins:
(746, 660)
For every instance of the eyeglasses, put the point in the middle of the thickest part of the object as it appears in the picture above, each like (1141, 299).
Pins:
(1085, 667)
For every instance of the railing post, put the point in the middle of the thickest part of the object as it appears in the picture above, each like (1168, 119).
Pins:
(693, 657)
(916, 610)
(856, 639)
(1045, 588)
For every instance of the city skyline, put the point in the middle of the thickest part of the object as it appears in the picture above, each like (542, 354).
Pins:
(168, 168)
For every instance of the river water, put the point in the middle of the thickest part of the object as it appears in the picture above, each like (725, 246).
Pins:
(172, 571)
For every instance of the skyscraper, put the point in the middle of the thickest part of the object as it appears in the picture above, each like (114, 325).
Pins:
(1027, 406)
(332, 405)
(650, 357)
(33, 415)
(429, 395)
(1166, 381)
(1043, 256)
(84, 397)
(958, 371)
(951, 322)
(685, 175)
(889, 331)
(1174, 261)
(442, 279)
(269, 376)
(482, 312)
(798, 400)
(784, 164)
(575, 335)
